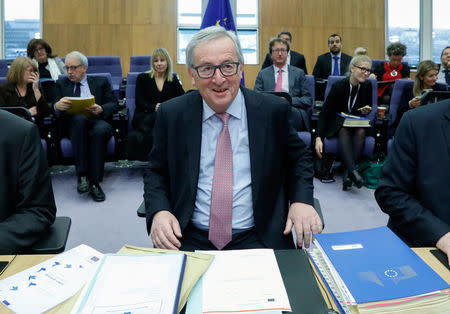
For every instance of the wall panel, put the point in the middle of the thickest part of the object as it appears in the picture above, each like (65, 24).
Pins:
(134, 27)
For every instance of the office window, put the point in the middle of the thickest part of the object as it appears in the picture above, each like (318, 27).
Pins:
(441, 27)
(189, 21)
(403, 26)
(21, 23)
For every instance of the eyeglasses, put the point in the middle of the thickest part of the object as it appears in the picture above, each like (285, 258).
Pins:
(279, 50)
(208, 71)
(72, 67)
(363, 69)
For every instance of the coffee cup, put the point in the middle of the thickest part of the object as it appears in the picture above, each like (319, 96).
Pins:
(381, 112)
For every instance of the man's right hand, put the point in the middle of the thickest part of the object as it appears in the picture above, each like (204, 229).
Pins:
(443, 244)
(165, 231)
(319, 147)
(63, 104)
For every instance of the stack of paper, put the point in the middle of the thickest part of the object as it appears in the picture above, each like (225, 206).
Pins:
(354, 121)
(373, 271)
(240, 281)
(134, 284)
(79, 104)
(41, 287)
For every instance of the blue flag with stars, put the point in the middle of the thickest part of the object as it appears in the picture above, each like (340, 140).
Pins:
(218, 12)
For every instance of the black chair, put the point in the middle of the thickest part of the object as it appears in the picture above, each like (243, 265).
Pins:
(433, 96)
(54, 241)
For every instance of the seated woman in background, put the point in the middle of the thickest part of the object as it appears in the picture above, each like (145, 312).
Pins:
(22, 90)
(351, 95)
(152, 88)
(390, 71)
(50, 67)
(426, 77)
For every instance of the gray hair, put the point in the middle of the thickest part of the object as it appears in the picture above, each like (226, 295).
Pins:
(81, 57)
(206, 35)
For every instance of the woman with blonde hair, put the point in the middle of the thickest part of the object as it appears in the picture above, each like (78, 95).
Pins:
(22, 89)
(153, 87)
(426, 77)
(352, 95)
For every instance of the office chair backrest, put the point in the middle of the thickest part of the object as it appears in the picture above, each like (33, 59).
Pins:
(372, 115)
(107, 64)
(396, 97)
(3, 67)
(140, 63)
(130, 95)
(312, 90)
(3, 80)
(331, 80)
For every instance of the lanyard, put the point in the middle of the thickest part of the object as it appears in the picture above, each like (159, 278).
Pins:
(350, 106)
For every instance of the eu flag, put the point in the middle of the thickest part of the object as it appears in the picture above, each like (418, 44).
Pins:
(218, 12)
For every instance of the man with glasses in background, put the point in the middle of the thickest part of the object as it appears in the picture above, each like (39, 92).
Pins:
(89, 133)
(282, 77)
(226, 170)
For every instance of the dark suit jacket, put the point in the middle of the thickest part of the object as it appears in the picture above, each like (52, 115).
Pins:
(337, 101)
(322, 69)
(414, 187)
(297, 60)
(99, 87)
(27, 206)
(281, 166)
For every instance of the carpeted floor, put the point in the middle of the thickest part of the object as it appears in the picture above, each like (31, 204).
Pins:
(109, 225)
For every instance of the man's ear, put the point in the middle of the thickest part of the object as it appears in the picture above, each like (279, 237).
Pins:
(192, 76)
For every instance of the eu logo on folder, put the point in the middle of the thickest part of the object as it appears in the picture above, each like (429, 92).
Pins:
(369, 270)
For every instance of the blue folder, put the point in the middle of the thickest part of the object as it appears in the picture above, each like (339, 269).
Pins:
(376, 265)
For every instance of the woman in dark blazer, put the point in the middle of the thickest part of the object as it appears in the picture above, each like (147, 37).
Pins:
(22, 90)
(351, 95)
(152, 88)
(426, 77)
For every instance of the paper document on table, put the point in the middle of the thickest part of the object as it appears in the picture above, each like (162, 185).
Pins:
(134, 284)
(41, 287)
(244, 280)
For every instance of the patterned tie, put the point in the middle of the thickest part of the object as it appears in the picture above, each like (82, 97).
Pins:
(77, 89)
(279, 81)
(336, 66)
(222, 188)
(447, 76)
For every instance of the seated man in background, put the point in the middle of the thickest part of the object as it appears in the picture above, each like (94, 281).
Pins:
(334, 62)
(226, 171)
(282, 77)
(27, 205)
(444, 69)
(413, 189)
(88, 133)
(294, 58)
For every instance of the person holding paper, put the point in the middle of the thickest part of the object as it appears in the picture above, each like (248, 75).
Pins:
(225, 162)
(413, 189)
(88, 133)
(351, 95)
(27, 205)
(426, 78)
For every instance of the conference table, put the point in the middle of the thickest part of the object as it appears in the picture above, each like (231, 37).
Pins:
(305, 288)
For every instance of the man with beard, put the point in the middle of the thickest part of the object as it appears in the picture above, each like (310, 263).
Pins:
(334, 62)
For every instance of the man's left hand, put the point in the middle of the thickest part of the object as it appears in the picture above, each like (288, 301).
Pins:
(95, 109)
(443, 244)
(306, 222)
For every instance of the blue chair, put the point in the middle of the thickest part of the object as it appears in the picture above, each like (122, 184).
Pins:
(3, 80)
(140, 63)
(107, 64)
(396, 98)
(312, 90)
(331, 145)
(3, 67)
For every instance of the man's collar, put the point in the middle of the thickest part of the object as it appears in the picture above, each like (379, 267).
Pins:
(284, 68)
(234, 109)
(338, 55)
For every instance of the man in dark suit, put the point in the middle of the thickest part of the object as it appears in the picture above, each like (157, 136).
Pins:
(292, 81)
(294, 58)
(413, 189)
(27, 206)
(225, 162)
(88, 133)
(334, 62)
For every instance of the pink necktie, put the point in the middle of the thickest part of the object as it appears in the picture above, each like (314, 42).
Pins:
(222, 188)
(279, 81)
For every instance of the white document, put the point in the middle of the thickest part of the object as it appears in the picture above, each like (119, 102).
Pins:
(41, 287)
(242, 281)
(134, 284)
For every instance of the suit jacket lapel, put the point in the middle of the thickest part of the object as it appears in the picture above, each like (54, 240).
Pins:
(291, 78)
(192, 126)
(256, 121)
(271, 80)
(446, 128)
